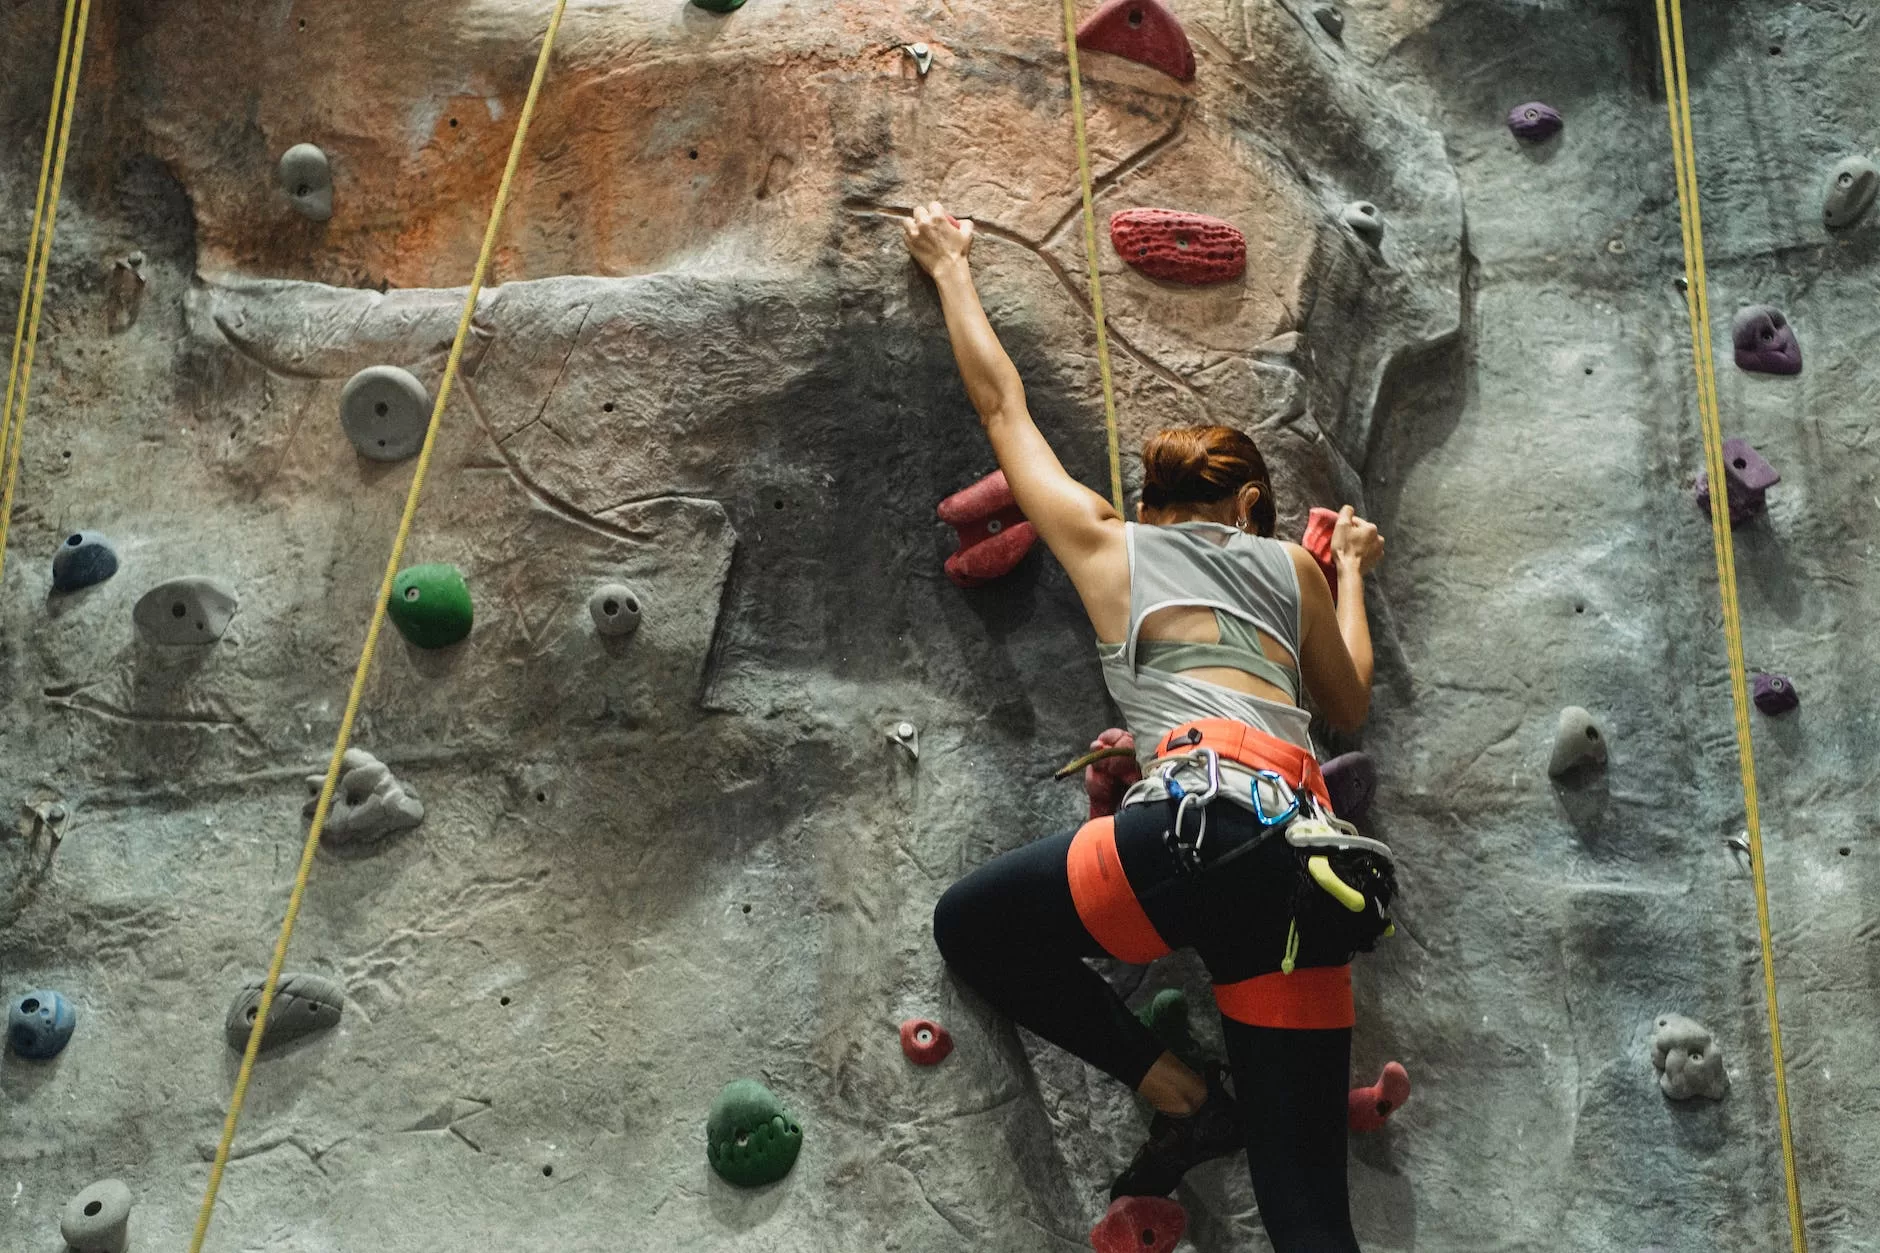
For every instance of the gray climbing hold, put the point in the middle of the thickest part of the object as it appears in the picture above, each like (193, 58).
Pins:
(85, 558)
(1578, 742)
(191, 610)
(98, 1220)
(1329, 17)
(1687, 1060)
(1365, 221)
(1851, 189)
(615, 608)
(385, 412)
(369, 803)
(303, 1004)
(308, 181)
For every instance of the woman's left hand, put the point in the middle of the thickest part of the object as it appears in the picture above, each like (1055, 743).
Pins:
(935, 239)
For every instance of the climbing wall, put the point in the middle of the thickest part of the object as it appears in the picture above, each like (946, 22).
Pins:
(706, 376)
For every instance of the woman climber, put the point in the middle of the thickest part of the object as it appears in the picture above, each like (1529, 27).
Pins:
(1228, 845)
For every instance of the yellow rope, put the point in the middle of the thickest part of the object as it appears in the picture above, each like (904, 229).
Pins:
(372, 635)
(39, 256)
(1090, 254)
(1684, 153)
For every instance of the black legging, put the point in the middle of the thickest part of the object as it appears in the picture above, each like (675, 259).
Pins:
(1011, 932)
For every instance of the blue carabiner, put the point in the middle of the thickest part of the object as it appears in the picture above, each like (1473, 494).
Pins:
(1285, 789)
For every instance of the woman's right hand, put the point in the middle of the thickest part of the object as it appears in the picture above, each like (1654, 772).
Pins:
(937, 239)
(1355, 541)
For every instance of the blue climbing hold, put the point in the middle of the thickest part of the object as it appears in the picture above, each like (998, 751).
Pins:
(84, 559)
(39, 1024)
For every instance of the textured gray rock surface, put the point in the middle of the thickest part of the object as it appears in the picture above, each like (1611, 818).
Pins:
(705, 369)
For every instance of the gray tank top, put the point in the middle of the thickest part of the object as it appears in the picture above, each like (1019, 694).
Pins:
(1206, 564)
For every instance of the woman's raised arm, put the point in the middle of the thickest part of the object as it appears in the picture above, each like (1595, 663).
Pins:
(1073, 521)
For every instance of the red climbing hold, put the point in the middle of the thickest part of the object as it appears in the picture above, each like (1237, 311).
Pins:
(1105, 781)
(1139, 1224)
(926, 1043)
(1317, 540)
(1141, 30)
(1181, 247)
(1367, 1109)
(994, 536)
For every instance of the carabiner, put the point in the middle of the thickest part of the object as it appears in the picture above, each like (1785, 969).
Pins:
(1282, 789)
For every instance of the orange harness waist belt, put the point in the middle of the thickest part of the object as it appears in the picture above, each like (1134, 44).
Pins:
(1252, 748)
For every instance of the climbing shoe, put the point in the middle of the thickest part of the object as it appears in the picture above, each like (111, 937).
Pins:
(1177, 1145)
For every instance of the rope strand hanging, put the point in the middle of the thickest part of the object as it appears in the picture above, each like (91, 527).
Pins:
(1690, 217)
(39, 255)
(370, 650)
(1090, 254)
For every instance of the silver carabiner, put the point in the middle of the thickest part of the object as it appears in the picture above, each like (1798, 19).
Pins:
(1204, 798)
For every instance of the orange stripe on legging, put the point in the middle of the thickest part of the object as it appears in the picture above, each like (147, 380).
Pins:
(1105, 901)
(1317, 998)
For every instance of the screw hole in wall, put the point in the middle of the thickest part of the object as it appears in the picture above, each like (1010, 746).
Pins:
(608, 407)
(541, 798)
(1844, 850)
(503, 1000)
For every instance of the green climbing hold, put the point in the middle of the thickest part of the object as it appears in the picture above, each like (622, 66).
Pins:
(750, 1139)
(1167, 1017)
(430, 605)
(719, 6)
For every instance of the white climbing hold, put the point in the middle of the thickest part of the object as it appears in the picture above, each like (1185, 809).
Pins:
(368, 804)
(615, 608)
(192, 610)
(1687, 1059)
(1365, 222)
(97, 1220)
(308, 181)
(1578, 741)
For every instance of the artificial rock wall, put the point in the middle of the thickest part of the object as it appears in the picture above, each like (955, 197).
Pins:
(705, 367)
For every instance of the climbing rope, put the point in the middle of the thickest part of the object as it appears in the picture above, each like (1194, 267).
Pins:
(1090, 254)
(39, 254)
(1690, 217)
(366, 655)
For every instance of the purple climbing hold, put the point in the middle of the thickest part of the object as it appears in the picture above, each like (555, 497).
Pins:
(1765, 342)
(1750, 477)
(1774, 694)
(1535, 121)
(1352, 781)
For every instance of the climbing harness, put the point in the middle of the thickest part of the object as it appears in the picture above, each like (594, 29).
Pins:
(360, 674)
(39, 254)
(1090, 254)
(1346, 881)
(1690, 220)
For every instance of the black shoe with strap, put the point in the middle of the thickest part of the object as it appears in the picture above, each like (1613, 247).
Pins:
(1177, 1145)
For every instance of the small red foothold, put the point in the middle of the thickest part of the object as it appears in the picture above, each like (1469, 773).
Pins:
(926, 1043)
(1139, 1224)
(994, 536)
(1105, 781)
(1141, 30)
(1189, 248)
(1367, 1109)
(1317, 540)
